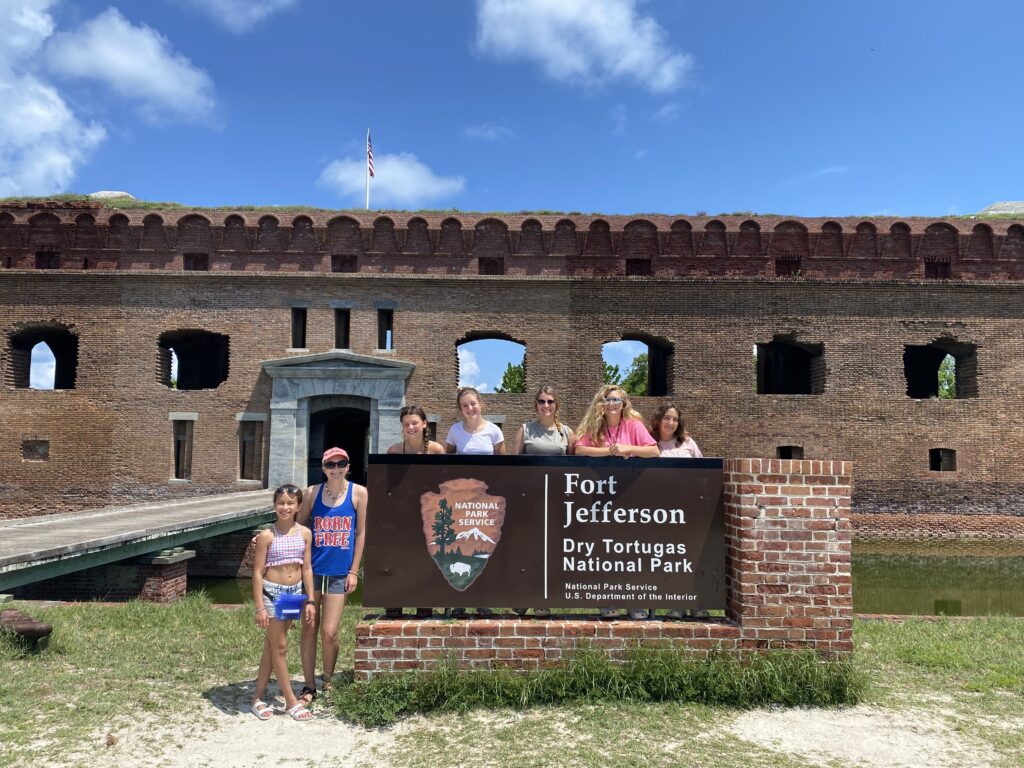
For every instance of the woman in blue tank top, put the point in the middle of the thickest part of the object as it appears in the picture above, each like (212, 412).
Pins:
(335, 511)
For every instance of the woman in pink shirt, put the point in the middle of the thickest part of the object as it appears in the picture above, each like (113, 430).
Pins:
(669, 429)
(611, 427)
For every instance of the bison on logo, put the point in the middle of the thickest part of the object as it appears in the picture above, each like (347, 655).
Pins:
(462, 526)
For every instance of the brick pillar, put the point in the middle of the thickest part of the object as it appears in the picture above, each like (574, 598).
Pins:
(788, 538)
(164, 576)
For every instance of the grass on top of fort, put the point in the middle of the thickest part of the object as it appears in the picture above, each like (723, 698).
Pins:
(143, 684)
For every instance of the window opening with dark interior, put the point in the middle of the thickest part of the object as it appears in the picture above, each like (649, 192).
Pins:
(942, 460)
(298, 327)
(640, 364)
(385, 329)
(789, 452)
(787, 367)
(945, 369)
(343, 263)
(202, 359)
(638, 267)
(47, 260)
(35, 450)
(342, 326)
(182, 449)
(197, 262)
(250, 450)
(937, 270)
(42, 357)
(491, 265)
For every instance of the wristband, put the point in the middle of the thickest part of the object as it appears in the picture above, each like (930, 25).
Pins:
(354, 573)
(261, 609)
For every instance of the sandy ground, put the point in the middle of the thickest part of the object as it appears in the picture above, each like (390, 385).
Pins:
(224, 737)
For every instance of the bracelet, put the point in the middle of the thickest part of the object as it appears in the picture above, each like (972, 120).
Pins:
(261, 609)
(354, 573)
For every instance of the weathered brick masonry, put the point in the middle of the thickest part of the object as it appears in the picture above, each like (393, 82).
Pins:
(856, 295)
(788, 586)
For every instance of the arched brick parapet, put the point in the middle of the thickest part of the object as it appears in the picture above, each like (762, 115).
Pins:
(830, 241)
(940, 242)
(789, 240)
(303, 236)
(154, 236)
(714, 242)
(383, 236)
(490, 239)
(639, 240)
(450, 241)
(981, 243)
(531, 239)
(236, 236)
(864, 244)
(344, 237)
(680, 239)
(599, 239)
(898, 244)
(268, 236)
(120, 234)
(44, 231)
(194, 235)
(86, 233)
(565, 241)
(748, 243)
(417, 238)
(1013, 243)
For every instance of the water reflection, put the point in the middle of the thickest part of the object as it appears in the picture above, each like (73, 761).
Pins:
(954, 578)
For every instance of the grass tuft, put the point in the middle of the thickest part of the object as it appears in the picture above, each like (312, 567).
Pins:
(648, 675)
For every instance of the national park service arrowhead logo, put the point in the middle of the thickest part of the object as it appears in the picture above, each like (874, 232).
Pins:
(462, 526)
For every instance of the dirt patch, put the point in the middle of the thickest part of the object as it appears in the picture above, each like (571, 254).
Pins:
(862, 735)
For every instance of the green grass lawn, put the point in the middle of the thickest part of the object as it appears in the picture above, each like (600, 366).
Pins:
(107, 664)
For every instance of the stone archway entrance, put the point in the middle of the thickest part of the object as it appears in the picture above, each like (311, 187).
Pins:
(338, 395)
(333, 421)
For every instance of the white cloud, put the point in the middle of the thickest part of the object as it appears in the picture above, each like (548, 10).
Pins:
(469, 370)
(42, 141)
(583, 41)
(43, 367)
(239, 15)
(620, 116)
(400, 181)
(667, 114)
(488, 132)
(640, 154)
(831, 170)
(136, 62)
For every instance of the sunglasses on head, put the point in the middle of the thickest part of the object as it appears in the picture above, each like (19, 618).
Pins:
(288, 488)
(546, 402)
(339, 464)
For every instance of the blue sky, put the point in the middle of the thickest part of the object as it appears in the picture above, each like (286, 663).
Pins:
(612, 106)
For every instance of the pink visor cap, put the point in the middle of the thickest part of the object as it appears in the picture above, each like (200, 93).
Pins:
(333, 453)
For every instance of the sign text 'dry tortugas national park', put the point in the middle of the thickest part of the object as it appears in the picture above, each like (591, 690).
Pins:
(519, 531)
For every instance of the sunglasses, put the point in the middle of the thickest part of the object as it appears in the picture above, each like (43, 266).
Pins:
(546, 402)
(613, 400)
(290, 489)
(341, 464)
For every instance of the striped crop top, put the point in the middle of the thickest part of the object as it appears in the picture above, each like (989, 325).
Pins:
(286, 547)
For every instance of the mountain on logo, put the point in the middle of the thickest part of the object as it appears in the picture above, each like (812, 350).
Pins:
(475, 534)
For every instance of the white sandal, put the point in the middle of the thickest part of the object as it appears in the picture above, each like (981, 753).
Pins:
(300, 713)
(262, 710)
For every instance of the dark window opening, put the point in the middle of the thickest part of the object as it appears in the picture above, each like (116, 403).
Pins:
(85, 263)
(35, 450)
(298, 327)
(640, 364)
(491, 265)
(202, 359)
(182, 450)
(432, 430)
(937, 270)
(250, 450)
(942, 460)
(385, 329)
(785, 367)
(787, 267)
(43, 357)
(343, 263)
(342, 325)
(47, 260)
(197, 262)
(789, 452)
(638, 267)
(944, 369)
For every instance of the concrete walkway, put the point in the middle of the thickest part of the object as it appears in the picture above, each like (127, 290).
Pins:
(36, 548)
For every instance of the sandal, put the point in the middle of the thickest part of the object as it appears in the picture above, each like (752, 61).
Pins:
(300, 713)
(327, 685)
(307, 695)
(262, 710)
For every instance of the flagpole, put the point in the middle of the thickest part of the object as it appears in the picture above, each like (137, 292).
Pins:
(367, 170)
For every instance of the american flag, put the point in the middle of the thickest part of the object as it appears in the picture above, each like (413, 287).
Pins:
(369, 154)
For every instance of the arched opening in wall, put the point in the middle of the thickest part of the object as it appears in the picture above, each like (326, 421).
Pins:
(43, 356)
(346, 427)
(640, 364)
(944, 369)
(202, 359)
(785, 366)
(491, 362)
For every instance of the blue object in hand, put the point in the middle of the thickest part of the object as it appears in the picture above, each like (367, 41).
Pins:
(289, 607)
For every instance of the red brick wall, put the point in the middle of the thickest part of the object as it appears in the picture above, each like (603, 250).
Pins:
(117, 581)
(788, 586)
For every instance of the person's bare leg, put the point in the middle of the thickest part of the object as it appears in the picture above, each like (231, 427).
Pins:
(330, 619)
(277, 636)
(263, 675)
(307, 646)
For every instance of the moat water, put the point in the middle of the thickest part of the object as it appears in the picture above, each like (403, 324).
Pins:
(955, 578)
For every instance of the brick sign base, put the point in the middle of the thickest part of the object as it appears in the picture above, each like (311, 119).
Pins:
(788, 536)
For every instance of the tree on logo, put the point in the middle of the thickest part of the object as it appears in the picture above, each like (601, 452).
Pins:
(444, 533)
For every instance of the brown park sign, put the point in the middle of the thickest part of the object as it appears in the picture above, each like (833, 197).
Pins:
(505, 531)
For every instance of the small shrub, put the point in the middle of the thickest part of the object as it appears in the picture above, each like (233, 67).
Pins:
(648, 675)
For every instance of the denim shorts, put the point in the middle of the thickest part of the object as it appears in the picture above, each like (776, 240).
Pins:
(329, 585)
(272, 590)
